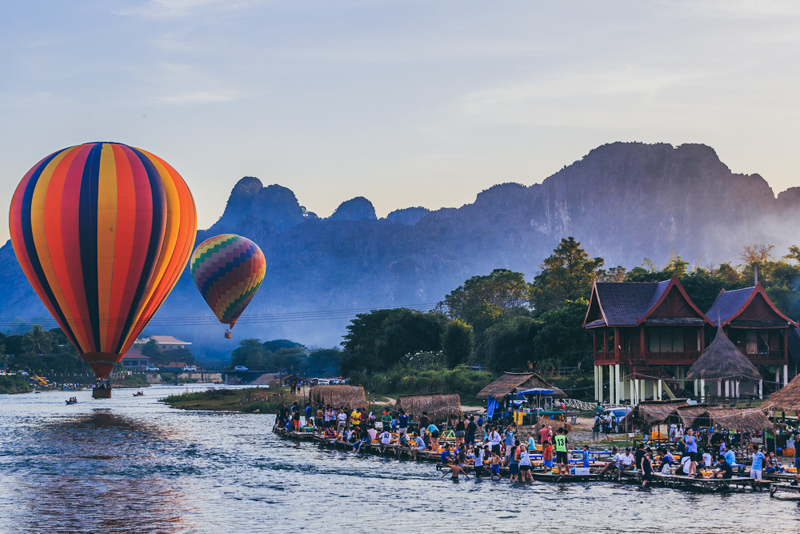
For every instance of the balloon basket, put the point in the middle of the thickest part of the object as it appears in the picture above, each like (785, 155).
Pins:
(228, 334)
(101, 393)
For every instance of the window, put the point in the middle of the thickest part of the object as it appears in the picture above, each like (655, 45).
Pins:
(666, 339)
(751, 342)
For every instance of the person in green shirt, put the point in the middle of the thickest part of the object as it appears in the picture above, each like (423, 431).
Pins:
(562, 456)
(386, 420)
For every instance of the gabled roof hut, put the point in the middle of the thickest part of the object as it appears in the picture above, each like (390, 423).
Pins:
(786, 399)
(516, 382)
(439, 407)
(722, 361)
(744, 420)
(654, 412)
(338, 396)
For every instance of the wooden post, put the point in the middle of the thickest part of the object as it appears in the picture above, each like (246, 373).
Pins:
(737, 389)
(785, 375)
(727, 388)
(702, 390)
(719, 388)
(696, 393)
(611, 384)
(636, 391)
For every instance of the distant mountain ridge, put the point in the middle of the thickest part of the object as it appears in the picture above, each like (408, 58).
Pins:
(622, 201)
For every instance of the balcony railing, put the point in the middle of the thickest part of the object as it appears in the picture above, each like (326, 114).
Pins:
(671, 358)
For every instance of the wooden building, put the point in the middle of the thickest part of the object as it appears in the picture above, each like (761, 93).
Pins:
(757, 328)
(646, 336)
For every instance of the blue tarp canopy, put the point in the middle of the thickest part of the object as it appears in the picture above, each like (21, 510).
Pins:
(537, 391)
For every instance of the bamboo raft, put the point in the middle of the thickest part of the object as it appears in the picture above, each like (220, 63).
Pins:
(626, 477)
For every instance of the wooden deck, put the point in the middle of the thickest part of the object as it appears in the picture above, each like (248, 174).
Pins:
(776, 487)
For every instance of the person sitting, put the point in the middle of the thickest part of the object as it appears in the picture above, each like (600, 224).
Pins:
(725, 469)
(773, 466)
(445, 457)
(666, 461)
(613, 465)
(418, 444)
(627, 460)
(685, 467)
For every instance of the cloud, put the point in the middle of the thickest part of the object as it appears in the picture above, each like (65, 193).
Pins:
(194, 97)
(182, 8)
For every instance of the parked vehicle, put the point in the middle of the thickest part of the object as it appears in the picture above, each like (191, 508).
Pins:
(190, 368)
(240, 368)
(151, 368)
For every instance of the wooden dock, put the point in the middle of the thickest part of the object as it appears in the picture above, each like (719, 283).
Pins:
(776, 487)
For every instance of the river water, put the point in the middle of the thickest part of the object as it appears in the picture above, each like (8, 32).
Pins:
(132, 464)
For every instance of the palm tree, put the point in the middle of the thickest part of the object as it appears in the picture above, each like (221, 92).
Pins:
(37, 341)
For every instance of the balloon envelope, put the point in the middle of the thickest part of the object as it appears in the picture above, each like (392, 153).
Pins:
(103, 232)
(228, 270)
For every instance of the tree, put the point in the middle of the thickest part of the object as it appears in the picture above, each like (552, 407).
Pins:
(152, 350)
(324, 362)
(757, 254)
(509, 345)
(561, 337)
(379, 339)
(501, 291)
(568, 274)
(37, 341)
(458, 342)
(249, 353)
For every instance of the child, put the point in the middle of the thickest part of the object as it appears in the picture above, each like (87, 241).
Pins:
(585, 456)
(496, 466)
(547, 456)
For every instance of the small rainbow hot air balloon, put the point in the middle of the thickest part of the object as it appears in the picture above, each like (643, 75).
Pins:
(228, 270)
(103, 232)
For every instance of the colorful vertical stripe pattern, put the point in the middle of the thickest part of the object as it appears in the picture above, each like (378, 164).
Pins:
(228, 270)
(103, 232)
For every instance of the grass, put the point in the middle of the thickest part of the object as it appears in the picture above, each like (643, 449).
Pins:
(130, 381)
(250, 400)
(14, 384)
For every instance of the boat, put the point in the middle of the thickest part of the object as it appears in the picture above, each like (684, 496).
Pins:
(72, 400)
(138, 394)
(565, 478)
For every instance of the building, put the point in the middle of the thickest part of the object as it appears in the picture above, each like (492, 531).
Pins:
(757, 328)
(165, 342)
(134, 360)
(646, 336)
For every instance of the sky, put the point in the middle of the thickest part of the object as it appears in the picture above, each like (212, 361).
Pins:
(405, 103)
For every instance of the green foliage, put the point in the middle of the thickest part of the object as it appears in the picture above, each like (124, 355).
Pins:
(37, 341)
(566, 275)
(510, 345)
(277, 344)
(13, 384)
(423, 360)
(458, 342)
(379, 339)
(482, 299)
(561, 337)
(410, 381)
(324, 362)
(249, 353)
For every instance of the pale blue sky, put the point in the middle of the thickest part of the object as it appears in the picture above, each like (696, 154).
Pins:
(406, 103)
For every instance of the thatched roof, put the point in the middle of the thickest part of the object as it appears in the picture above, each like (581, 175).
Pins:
(338, 396)
(723, 361)
(787, 398)
(439, 407)
(516, 381)
(654, 412)
(742, 419)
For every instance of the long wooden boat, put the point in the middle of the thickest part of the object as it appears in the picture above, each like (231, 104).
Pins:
(565, 478)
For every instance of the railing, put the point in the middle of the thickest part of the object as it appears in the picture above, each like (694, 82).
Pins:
(670, 358)
(773, 356)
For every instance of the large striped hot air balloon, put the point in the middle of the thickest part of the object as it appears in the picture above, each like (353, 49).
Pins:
(102, 231)
(228, 270)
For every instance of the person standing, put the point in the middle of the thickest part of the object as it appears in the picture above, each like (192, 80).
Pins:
(756, 468)
(525, 464)
(494, 440)
(477, 454)
(402, 422)
(547, 456)
(472, 428)
(424, 421)
(596, 428)
(545, 434)
(647, 467)
(509, 438)
(562, 456)
(341, 419)
(690, 442)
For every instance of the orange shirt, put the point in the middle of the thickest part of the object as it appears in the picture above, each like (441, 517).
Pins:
(547, 454)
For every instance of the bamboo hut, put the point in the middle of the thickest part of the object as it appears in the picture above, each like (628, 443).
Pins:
(338, 396)
(439, 407)
(725, 364)
(743, 420)
(648, 414)
(499, 393)
(786, 399)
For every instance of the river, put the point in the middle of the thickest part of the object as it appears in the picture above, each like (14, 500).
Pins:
(132, 464)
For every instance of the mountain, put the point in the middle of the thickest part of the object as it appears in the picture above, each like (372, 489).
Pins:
(622, 201)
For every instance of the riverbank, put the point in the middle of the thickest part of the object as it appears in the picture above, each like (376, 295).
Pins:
(10, 384)
(249, 400)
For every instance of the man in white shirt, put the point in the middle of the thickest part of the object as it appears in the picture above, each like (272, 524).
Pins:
(342, 420)
(386, 437)
(627, 459)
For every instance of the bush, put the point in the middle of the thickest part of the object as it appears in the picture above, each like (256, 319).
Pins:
(435, 379)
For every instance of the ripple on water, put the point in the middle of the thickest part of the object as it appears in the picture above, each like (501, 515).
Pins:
(134, 465)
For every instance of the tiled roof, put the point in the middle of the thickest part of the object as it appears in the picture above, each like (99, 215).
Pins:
(624, 303)
(728, 303)
(169, 340)
(134, 354)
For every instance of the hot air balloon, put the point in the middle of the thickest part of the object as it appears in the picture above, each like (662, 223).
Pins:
(103, 232)
(228, 270)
